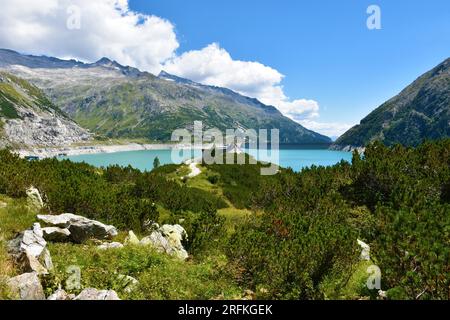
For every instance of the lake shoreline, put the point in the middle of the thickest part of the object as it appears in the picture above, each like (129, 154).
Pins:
(51, 152)
(91, 149)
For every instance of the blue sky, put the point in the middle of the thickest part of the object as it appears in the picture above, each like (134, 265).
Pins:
(316, 61)
(323, 48)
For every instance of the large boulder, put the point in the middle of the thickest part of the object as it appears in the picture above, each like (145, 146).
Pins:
(26, 287)
(34, 198)
(29, 251)
(94, 294)
(80, 228)
(55, 234)
(168, 239)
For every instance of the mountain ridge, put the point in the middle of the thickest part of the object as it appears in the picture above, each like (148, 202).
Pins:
(419, 112)
(123, 102)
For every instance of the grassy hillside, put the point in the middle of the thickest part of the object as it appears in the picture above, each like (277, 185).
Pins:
(18, 93)
(152, 108)
(289, 236)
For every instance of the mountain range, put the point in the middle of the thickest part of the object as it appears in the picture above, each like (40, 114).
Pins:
(46, 101)
(420, 112)
(116, 101)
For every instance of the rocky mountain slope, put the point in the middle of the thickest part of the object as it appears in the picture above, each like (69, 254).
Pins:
(29, 118)
(122, 102)
(421, 111)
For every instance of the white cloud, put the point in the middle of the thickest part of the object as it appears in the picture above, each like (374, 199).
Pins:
(107, 28)
(331, 129)
(213, 65)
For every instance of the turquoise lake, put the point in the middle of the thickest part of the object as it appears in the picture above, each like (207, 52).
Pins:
(295, 158)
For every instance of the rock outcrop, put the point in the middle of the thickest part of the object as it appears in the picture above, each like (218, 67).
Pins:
(30, 119)
(80, 228)
(44, 129)
(26, 287)
(94, 294)
(29, 251)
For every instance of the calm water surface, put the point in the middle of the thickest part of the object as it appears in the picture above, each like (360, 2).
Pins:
(295, 158)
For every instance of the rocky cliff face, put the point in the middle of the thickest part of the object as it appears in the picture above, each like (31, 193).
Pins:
(122, 102)
(421, 111)
(29, 119)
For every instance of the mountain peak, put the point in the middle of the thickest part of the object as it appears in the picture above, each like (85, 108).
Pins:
(170, 77)
(104, 60)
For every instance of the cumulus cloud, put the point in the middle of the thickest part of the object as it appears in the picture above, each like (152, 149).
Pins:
(90, 29)
(213, 65)
(106, 28)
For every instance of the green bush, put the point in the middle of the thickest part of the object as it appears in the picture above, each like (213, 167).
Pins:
(300, 241)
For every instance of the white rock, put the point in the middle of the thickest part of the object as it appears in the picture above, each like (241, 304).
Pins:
(157, 241)
(55, 234)
(168, 239)
(131, 239)
(175, 234)
(46, 259)
(26, 287)
(365, 253)
(81, 228)
(34, 198)
(29, 251)
(94, 294)
(3, 205)
(110, 245)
